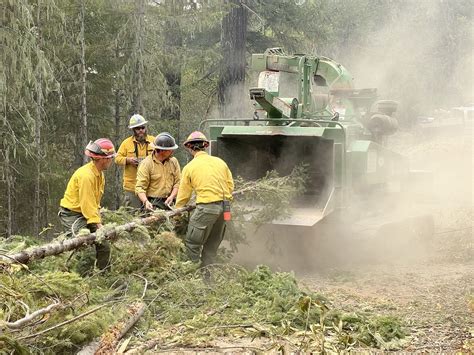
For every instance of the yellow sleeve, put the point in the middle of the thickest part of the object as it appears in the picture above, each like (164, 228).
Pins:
(177, 175)
(185, 189)
(87, 199)
(121, 158)
(230, 181)
(143, 177)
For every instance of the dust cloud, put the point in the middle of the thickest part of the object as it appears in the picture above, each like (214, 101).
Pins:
(421, 59)
(417, 59)
(421, 56)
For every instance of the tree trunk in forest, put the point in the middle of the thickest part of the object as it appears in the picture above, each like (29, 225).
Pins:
(9, 178)
(118, 135)
(83, 130)
(232, 76)
(172, 67)
(173, 111)
(137, 100)
(37, 133)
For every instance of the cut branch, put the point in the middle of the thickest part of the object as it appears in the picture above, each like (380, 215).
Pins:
(55, 248)
(20, 323)
(270, 185)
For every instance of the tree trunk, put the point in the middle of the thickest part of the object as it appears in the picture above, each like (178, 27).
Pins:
(10, 186)
(117, 138)
(37, 134)
(172, 67)
(232, 76)
(83, 130)
(110, 340)
(137, 100)
(117, 169)
(172, 112)
(56, 248)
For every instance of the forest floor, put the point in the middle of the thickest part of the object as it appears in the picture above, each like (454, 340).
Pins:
(434, 299)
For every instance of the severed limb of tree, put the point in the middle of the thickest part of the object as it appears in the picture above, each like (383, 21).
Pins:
(55, 248)
(110, 340)
(20, 323)
(271, 191)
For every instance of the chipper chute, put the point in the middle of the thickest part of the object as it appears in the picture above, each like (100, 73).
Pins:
(307, 112)
(252, 151)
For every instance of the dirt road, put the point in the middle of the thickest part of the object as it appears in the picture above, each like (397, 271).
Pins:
(435, 301)
(434, 294)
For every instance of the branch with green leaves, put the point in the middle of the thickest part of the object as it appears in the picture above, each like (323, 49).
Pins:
(270, 196)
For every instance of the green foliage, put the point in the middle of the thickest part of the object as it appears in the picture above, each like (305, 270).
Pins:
(183, 306)
(263, 201)
(54, 284)
(12, 345)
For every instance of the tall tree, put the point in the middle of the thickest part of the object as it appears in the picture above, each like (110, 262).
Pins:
(137, 54)
(233, 44)
(173, 61)
(37, 125)
(30, 77)
(83, 130)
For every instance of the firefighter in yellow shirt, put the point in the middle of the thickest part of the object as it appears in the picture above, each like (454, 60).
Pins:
(159, 174)
(79, 208)
(211, 180)
(131, 152)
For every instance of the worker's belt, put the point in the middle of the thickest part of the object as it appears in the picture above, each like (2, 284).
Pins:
(210, 203)
(66, 209)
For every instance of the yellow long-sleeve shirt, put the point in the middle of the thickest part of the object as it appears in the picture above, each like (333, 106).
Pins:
(84, 192)
(127, 150)
(209, 177)
(157, 179)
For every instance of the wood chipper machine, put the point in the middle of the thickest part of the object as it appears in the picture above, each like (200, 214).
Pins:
(307, 112)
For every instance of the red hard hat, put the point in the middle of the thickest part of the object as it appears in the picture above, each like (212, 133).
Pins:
(101, 148)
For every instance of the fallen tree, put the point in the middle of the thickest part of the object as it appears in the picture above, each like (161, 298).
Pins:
(28, 318)
(273, 192)
(59, 247)
(110, 340)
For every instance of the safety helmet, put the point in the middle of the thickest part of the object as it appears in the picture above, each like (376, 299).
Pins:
(196, 137)
(136, 121)
(101, 148)
(164, 141)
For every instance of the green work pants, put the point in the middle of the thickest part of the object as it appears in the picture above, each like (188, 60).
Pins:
(205, 233)
(131, 200)
(73, 222)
